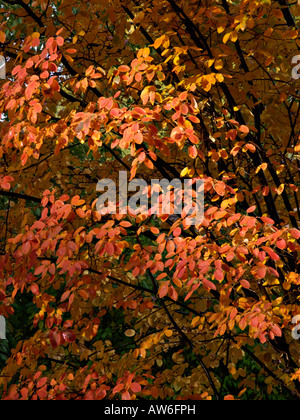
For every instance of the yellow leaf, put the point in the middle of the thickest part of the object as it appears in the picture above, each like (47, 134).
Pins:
(233, 36)
(166, 42)
(226, 38)
(219, 77)
(280, 189)
(158, 42)
(195, 321)
(219, 64)
(146, 52)
(184, 172)
(176, 60)
(221, 29)
(210, 62)
(210, 78)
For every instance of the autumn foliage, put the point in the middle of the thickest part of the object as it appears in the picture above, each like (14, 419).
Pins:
(136, 307)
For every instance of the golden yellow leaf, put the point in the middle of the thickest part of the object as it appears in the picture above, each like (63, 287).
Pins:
(280, 189)
(226, 38)
(184, 172)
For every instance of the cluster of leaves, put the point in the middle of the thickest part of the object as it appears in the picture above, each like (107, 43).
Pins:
(136, 306)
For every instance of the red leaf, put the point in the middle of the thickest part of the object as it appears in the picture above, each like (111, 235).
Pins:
(276, 330)
(295, 233)
(126, 396)
(193, 152)
(208, 284)
(39, 270)
(135, 387)
(42, 382)
(60, 41)
(42, 393)
(245, 284)
(281, 244)
(251, 209)
(69, 336)
(65, 296)
(261, 273)
(177, 232)
(266, 191)
(118, 388)
(219, 275)
(56, 339)
(109, 248)
(26, 248)
(83, 294)
(271, 253)
(100, 394)
(124, 69)
(30, 89)
(35, 289)
(268, 221)
(5, 185)
(173, 294)
(163, 290)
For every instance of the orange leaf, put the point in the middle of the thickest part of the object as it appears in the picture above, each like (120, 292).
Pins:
(267, 220)
(2, 37)
(229, 398)
(154, 230)
(244, 129)
(251, 147)
(251, 209)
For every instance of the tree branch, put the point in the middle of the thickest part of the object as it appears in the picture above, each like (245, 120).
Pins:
(11, 194)
(287, 13)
